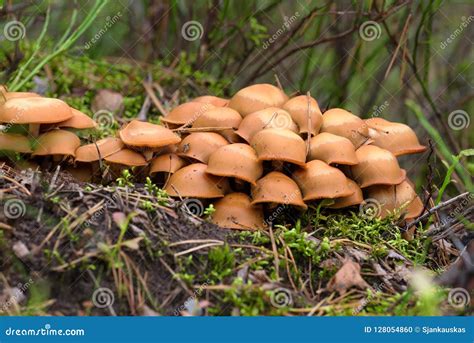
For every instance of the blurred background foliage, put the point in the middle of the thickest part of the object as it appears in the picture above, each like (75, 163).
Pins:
(403, 60)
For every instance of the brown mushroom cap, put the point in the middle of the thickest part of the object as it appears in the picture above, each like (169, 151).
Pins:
(57, 142)
(298, 108)
(106, 147)
(332, 149)
(193, 181)
(34, 110)
(200, 145)
(235, 211)
(126, 157)
(394, 197)
(140, 134)
(167, 163)
(397, 138)
(321, 181)
(271, 117)
(78, 120)
(220, 117)
(187, 113)
(14, 142)
(376, 166)
(213, 100)
(354, 199)
(343, 123)
(235, 160)
(257, 97)
(16, 95)
(277, 188)
(279, 145)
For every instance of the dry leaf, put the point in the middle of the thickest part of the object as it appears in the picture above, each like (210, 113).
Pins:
(346, 277)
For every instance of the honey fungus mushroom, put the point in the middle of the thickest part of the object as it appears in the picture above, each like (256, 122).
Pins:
(98, 150)
(235, 211)
(161, 167)
(343, 123)
(235, 160)
(200, 145)
(354, 199)
(376, 166)
(78, 120)
(271, 117)
(305, 111)
(123, 159)
(332, 149)
(12, 142)
(401, 197)
(321, 181)
(147, 137)
(257, 97)
(279, 145)
(187, 113)
(213, 100)
(397, 138)
(220, 117)
(58, 143)
(34, 111)
(193, 181)
(277, 188)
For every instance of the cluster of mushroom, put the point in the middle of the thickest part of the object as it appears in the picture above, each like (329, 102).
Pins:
(259, 150)
(42, 126)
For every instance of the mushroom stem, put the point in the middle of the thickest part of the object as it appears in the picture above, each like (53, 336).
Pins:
(34, 129)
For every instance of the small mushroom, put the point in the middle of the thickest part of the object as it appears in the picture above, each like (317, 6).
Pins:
(235, 160)
(277, 188)
(221, 117)
(56, 143)
(126, 157)
(98, 150)
(354, 199)
(147, 137)
(193, 181)
(78, 120)
(257, 97)
(332, 149)
(271, 117)
(321, 181)
(34, 111)
(298, 108)
(213, 100)
(376, 166)
(396, 197)
(343, 123)
(15, 143)
(200, 145)
(279, 145)
(187, 113)
(397, 138)
(235, 211)
(167, 163)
